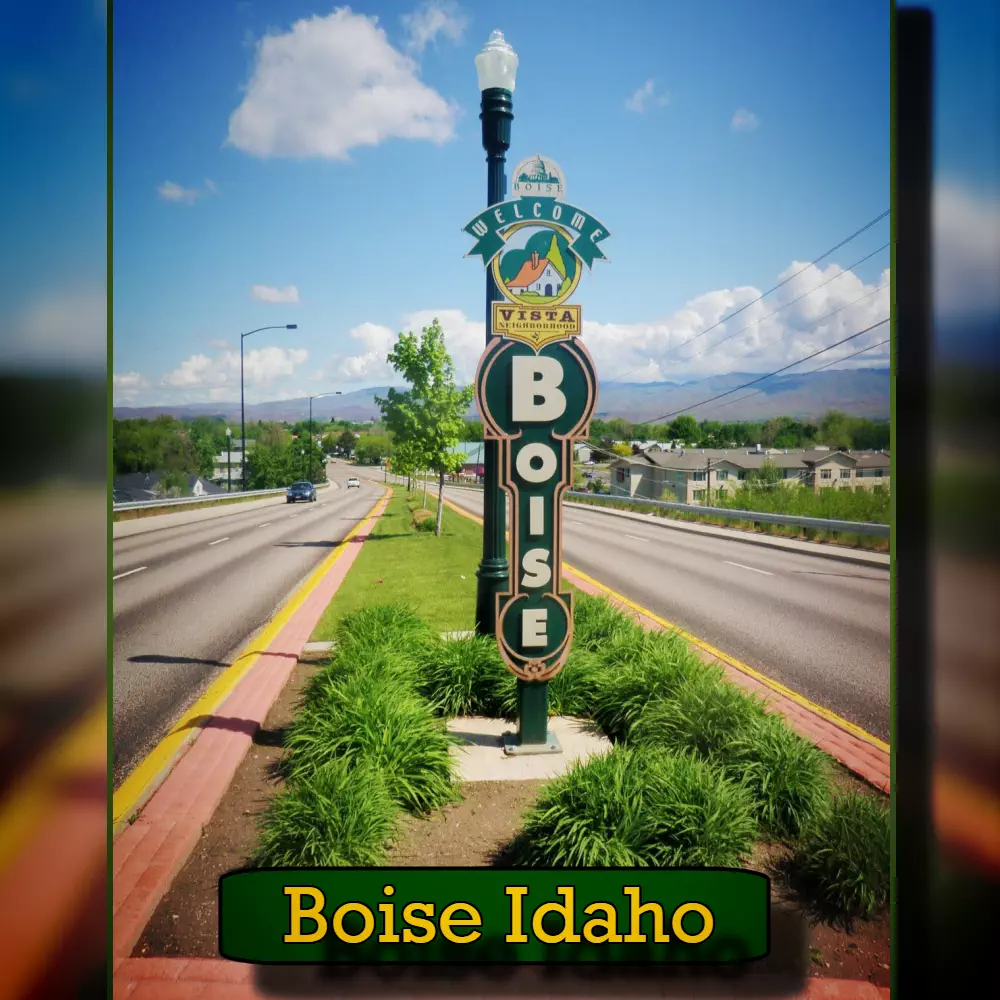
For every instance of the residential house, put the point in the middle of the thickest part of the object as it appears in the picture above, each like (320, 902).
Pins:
(583, 453)
(537, 275)
(687, 475)
(137, 486)
(473, 458)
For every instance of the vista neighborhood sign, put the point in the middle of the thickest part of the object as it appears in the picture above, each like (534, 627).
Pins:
(536, 388)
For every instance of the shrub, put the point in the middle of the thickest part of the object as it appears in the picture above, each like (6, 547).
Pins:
(843, 860)
(596, 620)
(380, 626)
(377, 720)
(640, 667)
(339, 817)
(462, 676)
(705, 714)
(639, 808)
(424, 520)
(575, 689)
(787, 775)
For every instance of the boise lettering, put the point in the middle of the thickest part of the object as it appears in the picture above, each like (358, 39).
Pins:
(599, 922)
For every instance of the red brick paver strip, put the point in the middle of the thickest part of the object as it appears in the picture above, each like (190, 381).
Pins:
(150, 852)
(869, 762)
(217, 979)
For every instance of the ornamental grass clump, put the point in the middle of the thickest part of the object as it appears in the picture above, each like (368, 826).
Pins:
(341, 816)
(596, 621)
(842, 862)
(575, 689)
(640, 667)
(787, 775)
(462, 676)
(376, 720)
(639, 807)
(381, 625)
(705, 714)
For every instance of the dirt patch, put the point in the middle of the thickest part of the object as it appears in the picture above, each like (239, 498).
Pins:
(471, 832)
(186, 923)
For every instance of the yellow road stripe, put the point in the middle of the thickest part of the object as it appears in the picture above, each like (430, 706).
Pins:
(83, 746)
(143, 780)
(724, 657)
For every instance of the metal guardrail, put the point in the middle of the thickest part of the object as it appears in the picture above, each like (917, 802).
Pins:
(792, 520)
(178, 501)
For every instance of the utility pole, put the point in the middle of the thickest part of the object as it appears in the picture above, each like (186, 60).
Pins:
(229, 460)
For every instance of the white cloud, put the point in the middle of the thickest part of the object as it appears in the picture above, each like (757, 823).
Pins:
(128, 381)
(219, 344)
(966, 253)
(126, 386)
(261, 367)
(645, 96)
(744, 121)
(172, 191)
(331, 84)
(464, 338)
(265, 293)
(433, 18)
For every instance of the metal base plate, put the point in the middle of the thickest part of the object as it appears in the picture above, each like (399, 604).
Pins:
(512, 748)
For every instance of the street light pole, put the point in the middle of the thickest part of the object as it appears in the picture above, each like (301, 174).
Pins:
(243, 426)
(229, 460)
(311, 398)
(496, 69)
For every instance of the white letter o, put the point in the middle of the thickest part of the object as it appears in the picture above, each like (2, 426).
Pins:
(531, 451)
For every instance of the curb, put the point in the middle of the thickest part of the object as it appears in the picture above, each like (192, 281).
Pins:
(840, 739)
(153, 849)
(219, 979)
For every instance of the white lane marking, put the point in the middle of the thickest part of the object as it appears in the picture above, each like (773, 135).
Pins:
(290, 516)
(216, 542)
(138, 569)
(637, 538)
(571, 521)
(264, 525)
(752, 569)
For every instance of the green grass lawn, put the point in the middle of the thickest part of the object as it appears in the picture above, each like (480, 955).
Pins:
(435, 575)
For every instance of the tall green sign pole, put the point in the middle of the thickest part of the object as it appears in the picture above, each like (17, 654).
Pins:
(496, 67)
(536, 389)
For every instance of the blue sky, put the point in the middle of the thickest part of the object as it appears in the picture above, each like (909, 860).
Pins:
(355, 197)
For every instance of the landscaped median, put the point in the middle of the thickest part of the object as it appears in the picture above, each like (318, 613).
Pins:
(357, 766)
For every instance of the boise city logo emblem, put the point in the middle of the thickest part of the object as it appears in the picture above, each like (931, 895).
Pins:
(536, 389)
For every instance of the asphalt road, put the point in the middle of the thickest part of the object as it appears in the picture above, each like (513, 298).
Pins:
(818, 625)
(191, 588)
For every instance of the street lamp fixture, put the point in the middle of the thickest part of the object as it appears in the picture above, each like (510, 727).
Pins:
(311, 398)
(243, 426)
(496, 69)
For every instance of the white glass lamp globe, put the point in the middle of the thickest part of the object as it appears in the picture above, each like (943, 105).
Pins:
(496, 64)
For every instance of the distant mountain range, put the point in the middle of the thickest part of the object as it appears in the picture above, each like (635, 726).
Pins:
(861, 392)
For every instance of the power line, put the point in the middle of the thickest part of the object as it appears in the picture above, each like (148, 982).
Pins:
(812, 371)
(729, 392)
(763, 295)
(774, 312)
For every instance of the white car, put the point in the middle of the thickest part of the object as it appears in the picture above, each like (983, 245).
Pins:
(353, 481)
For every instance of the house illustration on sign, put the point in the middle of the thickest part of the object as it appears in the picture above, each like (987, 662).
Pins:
(537, 275)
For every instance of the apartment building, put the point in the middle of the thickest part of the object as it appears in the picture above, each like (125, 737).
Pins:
(688, 473)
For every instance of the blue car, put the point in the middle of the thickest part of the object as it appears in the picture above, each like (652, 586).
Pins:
(300, 491)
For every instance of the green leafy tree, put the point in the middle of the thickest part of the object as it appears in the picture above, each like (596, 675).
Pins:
(683, 428)
(621, 449)
(429, 415)
(346, 443)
